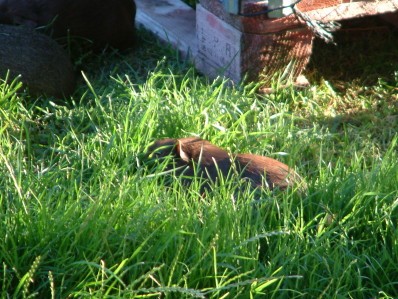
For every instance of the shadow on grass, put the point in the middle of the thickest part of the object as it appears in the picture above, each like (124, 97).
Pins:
(361, 71)
(365, 51)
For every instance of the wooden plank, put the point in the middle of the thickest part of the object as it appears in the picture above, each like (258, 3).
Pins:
(173, 21)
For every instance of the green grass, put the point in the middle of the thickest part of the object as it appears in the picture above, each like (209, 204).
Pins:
(82, 217)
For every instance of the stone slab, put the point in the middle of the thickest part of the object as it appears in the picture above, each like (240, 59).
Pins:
(219, 46)
(173, 21)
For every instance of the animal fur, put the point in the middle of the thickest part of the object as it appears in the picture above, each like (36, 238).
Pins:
(210, 161)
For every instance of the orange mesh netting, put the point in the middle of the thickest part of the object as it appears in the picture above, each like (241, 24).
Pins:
(269, 45)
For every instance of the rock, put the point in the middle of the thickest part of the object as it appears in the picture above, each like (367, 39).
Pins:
(44, 66)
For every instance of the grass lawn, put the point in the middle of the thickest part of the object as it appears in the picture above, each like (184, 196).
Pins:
(82, 217)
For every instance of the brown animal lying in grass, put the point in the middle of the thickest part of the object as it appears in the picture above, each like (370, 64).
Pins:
(210, 161)
(101, 21)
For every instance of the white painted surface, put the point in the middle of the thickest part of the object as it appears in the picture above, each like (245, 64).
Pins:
(279, 12)
(219, 46)
(172, 21)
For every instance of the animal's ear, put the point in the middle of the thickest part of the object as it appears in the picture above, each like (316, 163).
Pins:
(180, 151)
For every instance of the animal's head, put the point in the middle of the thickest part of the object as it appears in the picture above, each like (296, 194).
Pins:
(191, 151)
(168, 148)
(162, 148)
(190, 157)
(184, 149)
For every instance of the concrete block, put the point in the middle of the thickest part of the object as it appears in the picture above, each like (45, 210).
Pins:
(173, 21)
(219, 46)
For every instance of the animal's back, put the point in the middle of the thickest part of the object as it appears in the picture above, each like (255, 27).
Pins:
(276, 173)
